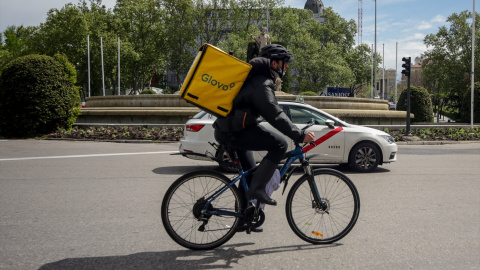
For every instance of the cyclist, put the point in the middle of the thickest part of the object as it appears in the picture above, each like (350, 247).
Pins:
(241, 131)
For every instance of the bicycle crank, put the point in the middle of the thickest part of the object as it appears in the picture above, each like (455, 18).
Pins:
(254, 217)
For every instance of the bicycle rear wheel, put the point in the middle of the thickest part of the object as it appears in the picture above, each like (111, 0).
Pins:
(182, 205)
(334, 219)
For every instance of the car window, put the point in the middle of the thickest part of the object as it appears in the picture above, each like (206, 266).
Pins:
(302, 115)
(199, 115)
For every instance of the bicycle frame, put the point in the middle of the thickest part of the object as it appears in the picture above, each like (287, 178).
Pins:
(298, 154)
(285, 173)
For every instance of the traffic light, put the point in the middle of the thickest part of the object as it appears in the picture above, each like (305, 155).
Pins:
(406, 66)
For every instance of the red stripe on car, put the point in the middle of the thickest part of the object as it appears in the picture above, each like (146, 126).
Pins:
(322, 139)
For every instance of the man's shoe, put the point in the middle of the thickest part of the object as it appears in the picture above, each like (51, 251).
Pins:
(261, 196)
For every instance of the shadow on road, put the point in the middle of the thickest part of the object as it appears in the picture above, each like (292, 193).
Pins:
(225, 257)
(181, 170)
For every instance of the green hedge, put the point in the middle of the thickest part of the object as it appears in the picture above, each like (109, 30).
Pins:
(421, 104)
(37, 96)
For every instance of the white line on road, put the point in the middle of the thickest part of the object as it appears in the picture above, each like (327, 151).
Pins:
(94, 155)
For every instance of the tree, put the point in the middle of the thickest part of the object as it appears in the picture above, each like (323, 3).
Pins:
(320, 49)
(180, 38)
(447, 62)
(143, 26)
(64, 31)
(162, 35)
(359, 61)
(210, 19)
(245, 19)
(16, 43)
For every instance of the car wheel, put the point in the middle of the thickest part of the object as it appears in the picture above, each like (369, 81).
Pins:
(364, 157)
(225, 162)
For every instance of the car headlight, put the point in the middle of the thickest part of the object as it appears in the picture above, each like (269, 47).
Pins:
(388, 138)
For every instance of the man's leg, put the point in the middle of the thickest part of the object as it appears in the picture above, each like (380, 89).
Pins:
(259, 139)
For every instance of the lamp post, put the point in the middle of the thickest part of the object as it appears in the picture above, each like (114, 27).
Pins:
(88, 65)
(473, 63)
(371, 89)
(375, 51)
(396, 72)
(103, 70)
(383, 73)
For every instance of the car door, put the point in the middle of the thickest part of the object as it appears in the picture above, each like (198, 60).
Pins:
(330, 148)
(329, 151)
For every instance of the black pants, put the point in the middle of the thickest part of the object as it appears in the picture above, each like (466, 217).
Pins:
(255, 138)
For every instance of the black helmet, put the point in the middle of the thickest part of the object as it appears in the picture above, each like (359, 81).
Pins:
(276, 52)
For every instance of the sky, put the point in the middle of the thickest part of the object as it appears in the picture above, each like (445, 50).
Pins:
(405, 22)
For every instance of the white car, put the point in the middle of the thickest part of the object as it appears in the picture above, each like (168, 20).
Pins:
(361, 147)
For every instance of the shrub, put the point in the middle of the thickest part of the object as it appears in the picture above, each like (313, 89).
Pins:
(465, 111)
(36, 97)
(420, 104)
(68, 67)
(148, 92)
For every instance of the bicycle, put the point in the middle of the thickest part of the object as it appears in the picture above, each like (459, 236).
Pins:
(202, 209)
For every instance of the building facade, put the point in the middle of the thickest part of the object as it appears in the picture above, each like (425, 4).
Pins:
(386, 84)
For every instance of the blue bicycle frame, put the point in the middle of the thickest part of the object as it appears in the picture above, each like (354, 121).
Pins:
(285, 173)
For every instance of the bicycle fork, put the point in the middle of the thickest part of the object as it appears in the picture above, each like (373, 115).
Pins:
(317, 202)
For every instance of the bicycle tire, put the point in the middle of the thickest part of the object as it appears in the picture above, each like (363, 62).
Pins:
(180, 204)
(329, 225)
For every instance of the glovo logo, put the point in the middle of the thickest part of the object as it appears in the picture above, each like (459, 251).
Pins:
(209, 79)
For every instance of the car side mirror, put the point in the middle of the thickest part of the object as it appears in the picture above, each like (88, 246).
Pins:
(330, 123)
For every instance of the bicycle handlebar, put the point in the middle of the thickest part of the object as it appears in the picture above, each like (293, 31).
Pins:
(311, 123)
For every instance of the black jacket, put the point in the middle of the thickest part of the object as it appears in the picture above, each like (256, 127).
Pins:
(257, 98)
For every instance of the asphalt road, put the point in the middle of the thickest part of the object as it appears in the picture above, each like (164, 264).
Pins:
(96, 205)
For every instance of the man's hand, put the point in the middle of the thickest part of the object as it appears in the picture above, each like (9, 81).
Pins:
(309, 137)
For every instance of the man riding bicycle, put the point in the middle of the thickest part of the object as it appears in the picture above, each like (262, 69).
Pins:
(241, 131)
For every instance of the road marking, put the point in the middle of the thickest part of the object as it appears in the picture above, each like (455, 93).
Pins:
(93, 155)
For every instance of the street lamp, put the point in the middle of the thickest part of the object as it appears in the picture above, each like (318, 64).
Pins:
(375, 52)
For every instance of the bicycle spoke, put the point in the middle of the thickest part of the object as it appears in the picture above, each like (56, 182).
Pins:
(183, 212)
(338, 211)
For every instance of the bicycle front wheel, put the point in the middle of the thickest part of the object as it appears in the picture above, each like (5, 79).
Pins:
(332, 220)
(182, 207)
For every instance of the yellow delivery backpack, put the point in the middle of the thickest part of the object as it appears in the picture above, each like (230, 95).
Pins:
(214, 80)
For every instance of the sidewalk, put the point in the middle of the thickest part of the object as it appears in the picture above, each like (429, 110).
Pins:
(442, 119)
